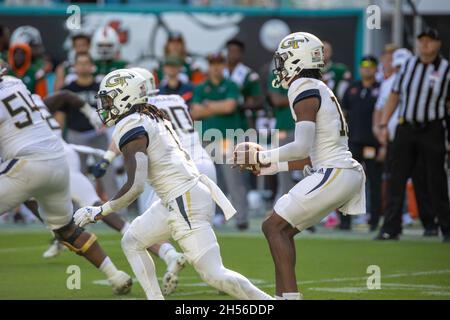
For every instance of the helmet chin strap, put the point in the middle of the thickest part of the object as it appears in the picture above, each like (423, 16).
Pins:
(115, 111)
(276, 83)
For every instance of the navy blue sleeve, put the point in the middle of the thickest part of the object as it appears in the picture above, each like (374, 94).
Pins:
(308, 94)
(132, 135)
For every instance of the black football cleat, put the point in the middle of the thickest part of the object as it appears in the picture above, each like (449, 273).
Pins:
(431, 232)
(386, 236)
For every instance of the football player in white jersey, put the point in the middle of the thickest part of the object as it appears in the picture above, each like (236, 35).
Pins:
(178, 112)
(35, 166)
(152, 152)
(82, 191)
(321, 139)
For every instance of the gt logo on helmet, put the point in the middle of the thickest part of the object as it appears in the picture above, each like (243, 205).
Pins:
(292, 43)
(117, 79)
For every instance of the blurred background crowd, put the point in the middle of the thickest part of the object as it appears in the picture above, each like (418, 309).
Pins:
(229, 74)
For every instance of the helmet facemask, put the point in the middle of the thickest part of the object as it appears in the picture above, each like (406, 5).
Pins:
(106, 110)
(282, 75)
(279, 71)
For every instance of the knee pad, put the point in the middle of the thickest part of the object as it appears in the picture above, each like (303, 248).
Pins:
(69, 240)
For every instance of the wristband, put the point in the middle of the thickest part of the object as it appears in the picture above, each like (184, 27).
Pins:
(109, 156)
(283, 166)
(263, 157)
(106, 208)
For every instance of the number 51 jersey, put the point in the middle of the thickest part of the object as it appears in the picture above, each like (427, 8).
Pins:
(330, 147)
(23, 131)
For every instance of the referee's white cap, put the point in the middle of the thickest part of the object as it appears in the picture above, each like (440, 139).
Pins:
(400, 56)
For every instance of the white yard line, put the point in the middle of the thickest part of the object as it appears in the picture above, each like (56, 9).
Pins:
(425, 289)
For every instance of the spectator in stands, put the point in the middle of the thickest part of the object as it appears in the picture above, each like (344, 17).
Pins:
(385, 68)
(215, 102)
(20, 61)
(64, 74)
(79, 128)
(31, 36)
(336, 75)
(171, 83)
(176, 47)
(246, 79)
(359, 103)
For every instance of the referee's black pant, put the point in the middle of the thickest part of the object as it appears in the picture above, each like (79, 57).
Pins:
(419, 180)
(411, 143)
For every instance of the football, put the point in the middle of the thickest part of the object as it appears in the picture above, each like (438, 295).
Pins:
(245, 156)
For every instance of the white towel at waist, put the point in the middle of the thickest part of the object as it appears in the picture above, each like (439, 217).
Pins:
(219, 197)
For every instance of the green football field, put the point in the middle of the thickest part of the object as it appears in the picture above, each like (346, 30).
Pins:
(330, 265)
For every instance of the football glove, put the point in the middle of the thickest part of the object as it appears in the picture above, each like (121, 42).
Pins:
(99, 169)
(87, 215)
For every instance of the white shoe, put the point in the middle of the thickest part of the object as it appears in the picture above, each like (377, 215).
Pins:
(121, 283)
(55, 248)
(170, 279)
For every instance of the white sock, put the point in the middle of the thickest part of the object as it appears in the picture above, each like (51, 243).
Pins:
(166, 251)
(291, 296)
(108, 268)
(124, 228)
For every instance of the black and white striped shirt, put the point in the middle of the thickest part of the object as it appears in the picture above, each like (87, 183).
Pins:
(423, 90)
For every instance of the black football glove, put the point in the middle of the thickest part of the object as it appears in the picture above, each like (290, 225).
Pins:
(99, 169)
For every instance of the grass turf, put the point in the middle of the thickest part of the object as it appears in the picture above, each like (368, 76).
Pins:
(330, 266)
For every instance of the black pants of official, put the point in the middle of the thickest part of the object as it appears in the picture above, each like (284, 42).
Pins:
(426, 147)
(374, 172)
(419, 180)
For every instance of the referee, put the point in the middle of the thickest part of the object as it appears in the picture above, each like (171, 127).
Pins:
(420, 90)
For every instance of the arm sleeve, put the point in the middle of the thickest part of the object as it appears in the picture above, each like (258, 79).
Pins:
(298, 149)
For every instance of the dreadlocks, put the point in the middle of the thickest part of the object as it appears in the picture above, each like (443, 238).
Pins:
(151, 111)
(147, 109)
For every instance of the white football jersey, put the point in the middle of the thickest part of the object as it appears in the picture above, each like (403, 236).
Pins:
(171, 172)
(47, 116)
(23, 131)
(178, 112)
(330, 148)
